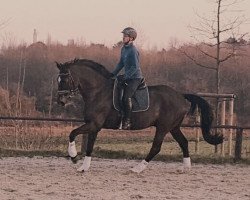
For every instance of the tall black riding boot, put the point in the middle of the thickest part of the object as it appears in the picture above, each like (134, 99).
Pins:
(126, 124)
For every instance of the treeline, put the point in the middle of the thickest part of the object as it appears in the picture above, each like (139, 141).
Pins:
(28, 75)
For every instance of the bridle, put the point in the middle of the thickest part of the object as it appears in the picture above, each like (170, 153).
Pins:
(72, 88)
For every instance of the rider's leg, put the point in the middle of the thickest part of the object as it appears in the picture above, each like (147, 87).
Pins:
(127, 104)
(120, 95)
(129, 90)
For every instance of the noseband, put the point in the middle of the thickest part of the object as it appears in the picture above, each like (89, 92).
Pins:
(73, 89)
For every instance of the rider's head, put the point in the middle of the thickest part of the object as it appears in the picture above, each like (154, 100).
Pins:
(129, 35)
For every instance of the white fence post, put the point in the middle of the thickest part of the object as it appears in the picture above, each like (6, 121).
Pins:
(222, 122)
(231, 116)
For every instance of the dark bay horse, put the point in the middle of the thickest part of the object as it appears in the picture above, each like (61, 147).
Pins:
(166, 112)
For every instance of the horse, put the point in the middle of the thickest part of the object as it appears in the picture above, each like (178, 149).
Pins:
(166, 111)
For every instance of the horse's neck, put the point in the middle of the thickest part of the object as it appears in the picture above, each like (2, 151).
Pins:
(95, 90)
(92, 84)
(90, 92)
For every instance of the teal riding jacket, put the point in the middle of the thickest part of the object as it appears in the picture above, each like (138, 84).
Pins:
(129, 60)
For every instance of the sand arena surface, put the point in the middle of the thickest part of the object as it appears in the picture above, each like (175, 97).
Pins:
(57, 178)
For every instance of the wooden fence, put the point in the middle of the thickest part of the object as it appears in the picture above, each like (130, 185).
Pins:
(238, 140)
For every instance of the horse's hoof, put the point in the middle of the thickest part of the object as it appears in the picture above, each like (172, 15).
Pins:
(135, 170)
(140, 167)
(80, 171)
(74, 159)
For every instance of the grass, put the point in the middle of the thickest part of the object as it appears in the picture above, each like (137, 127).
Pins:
(170, 151)
(120, 154)
(109, 144)
(132, 150)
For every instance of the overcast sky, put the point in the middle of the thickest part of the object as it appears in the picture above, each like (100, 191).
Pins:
(101, 21)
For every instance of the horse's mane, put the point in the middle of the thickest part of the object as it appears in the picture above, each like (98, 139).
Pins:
(91, 64)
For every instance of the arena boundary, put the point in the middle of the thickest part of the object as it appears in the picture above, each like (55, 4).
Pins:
(238, 141)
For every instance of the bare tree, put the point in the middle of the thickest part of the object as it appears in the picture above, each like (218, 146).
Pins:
(219, 36)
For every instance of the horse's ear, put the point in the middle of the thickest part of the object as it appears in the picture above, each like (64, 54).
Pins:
(58, 65)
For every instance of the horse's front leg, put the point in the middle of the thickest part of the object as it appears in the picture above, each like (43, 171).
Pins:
(88, 128)
(87, 159)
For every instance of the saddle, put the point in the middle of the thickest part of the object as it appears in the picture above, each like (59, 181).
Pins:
(140, 100)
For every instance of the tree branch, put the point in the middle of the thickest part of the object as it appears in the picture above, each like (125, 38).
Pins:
(227, 57)
(195, 61)
(207, 54)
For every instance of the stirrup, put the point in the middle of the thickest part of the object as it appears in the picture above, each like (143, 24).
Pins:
(126, 125)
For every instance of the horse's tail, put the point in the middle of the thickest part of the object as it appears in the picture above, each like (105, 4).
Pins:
(206, 118)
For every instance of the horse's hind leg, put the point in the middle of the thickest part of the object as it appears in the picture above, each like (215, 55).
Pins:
(155, 149)
(183, 143)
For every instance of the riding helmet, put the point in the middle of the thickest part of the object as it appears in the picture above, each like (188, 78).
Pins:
(131, 32)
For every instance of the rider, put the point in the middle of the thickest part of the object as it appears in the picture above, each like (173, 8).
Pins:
(129, 60)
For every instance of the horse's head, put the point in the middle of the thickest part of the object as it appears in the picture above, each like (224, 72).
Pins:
(66, 85)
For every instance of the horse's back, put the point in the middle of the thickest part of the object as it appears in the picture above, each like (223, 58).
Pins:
(166, 110)
(166, 92)
(169, 99)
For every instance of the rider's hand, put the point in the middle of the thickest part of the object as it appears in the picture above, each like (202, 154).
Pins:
(112, 76)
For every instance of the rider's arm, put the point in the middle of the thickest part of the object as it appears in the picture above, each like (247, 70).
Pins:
(119, 66)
